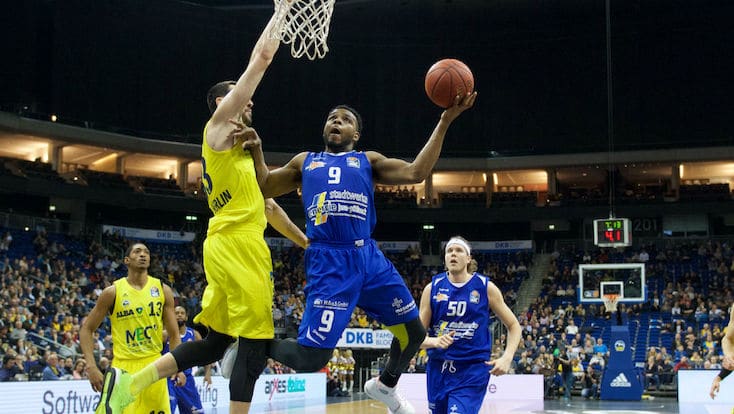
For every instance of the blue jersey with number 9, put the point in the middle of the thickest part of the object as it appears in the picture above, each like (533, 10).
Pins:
(338, 197)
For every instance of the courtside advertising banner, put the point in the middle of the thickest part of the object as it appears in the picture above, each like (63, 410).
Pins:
(160, 236)
(309, 388)
(693, 393)
(77, 397)
(365, 338)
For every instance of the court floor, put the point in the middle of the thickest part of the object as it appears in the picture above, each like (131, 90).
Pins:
(360, 404)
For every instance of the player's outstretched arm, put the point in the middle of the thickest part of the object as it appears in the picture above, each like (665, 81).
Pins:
(280, 221)
(514, 331)
(281, 180)
(233, 104)
(396, 171)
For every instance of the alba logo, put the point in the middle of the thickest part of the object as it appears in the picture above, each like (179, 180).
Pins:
(125, 312)
(620, 381)
(619, 346)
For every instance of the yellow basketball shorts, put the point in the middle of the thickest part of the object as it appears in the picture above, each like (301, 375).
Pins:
(239, 296)
(153, 399)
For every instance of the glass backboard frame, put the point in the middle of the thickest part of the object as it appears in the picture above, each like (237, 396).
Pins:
(593, 294)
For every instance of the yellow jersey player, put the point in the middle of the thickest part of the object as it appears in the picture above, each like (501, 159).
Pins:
(139, 307)
(237, 302)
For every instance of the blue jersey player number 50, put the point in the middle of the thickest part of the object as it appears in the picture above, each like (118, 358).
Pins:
(456, 308)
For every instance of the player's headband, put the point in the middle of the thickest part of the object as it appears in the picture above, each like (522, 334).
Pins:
(462, 243)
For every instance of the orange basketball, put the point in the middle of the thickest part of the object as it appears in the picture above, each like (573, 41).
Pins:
(446, 79)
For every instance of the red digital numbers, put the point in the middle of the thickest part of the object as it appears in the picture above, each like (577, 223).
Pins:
(613, 235)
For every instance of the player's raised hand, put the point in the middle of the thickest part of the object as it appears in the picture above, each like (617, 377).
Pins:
(461, 104)
(249, 137)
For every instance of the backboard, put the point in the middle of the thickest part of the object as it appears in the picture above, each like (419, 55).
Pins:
(627, 280)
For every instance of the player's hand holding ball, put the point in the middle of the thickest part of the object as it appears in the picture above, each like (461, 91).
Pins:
(449, 84)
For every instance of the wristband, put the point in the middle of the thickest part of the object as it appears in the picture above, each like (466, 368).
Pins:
(724, 373)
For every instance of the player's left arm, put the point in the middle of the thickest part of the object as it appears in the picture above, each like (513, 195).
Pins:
(169, 317)
(397, 171)
(497, 304)
(170, 325)
(727, 345)
(207, 367)
(280, 221)
(727, 342)
(425, 313)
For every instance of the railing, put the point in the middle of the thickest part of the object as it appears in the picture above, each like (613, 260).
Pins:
(48, 344)
(32, 223)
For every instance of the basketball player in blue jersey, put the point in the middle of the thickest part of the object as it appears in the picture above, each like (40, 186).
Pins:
(344, 266)
(455, 309)
(186, 398)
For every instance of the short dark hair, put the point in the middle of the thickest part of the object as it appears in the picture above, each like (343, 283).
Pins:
(217, 91)
(353, 111)
(130, 248)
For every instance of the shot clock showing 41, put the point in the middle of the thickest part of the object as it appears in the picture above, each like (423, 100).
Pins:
(612, 232)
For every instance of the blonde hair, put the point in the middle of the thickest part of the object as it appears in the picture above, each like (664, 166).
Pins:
(473, 265)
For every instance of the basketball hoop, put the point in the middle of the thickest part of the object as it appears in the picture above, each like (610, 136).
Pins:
(610, 302)
(304, 24)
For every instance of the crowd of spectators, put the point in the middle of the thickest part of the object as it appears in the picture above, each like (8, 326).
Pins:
(690, 291)
(47, 287)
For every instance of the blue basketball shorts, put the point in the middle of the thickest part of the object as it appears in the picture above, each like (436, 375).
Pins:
(186, 398)
(456, 387)
(341, 276)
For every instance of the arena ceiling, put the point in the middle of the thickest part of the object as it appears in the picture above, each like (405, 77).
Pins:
(540, 68)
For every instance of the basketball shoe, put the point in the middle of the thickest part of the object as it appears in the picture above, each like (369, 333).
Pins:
(230, 355)
(115, 392)
(393, 399)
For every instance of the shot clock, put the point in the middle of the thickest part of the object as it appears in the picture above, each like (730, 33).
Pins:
(612, 232)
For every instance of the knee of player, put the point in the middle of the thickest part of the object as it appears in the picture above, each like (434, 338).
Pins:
(416, 331)
(318, 359)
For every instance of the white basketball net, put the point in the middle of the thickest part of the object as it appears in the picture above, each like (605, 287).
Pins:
(304, 24)
(610, 302)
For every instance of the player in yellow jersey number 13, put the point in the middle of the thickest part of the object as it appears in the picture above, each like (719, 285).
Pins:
(139, 307)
